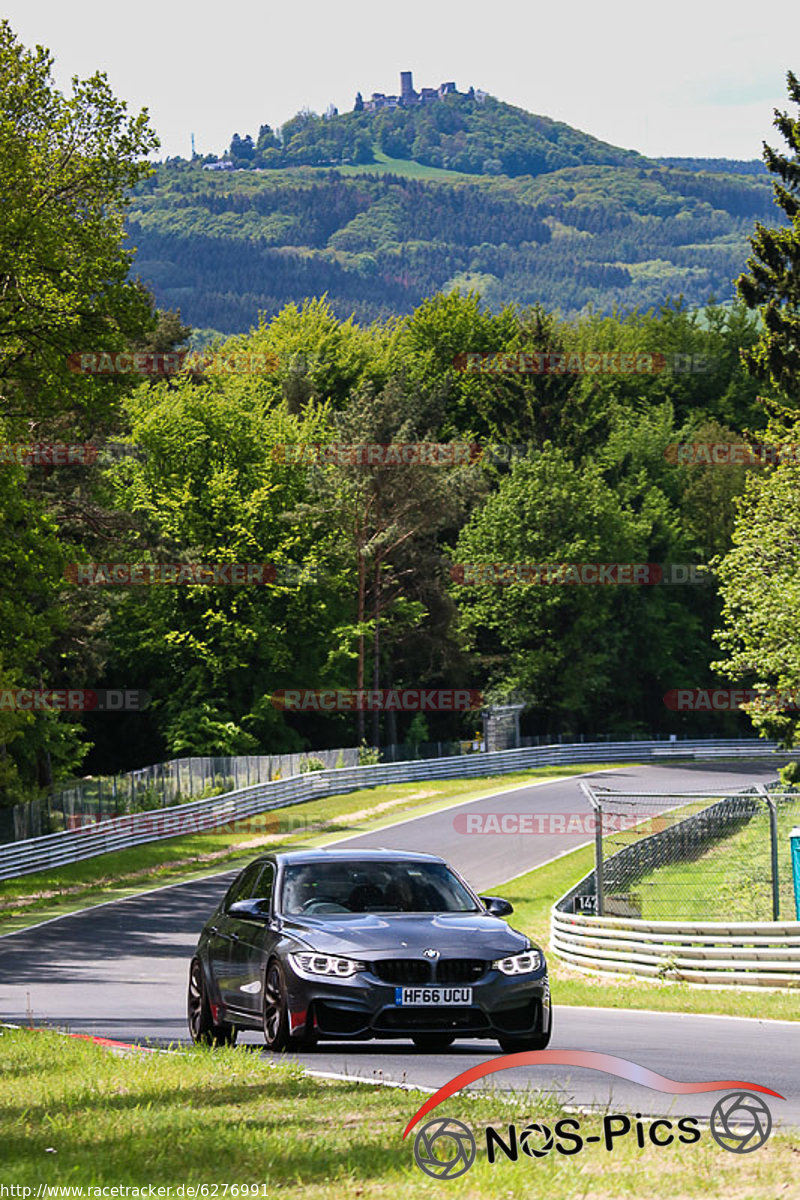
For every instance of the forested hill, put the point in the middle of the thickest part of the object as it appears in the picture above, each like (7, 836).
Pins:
(458, 133)
(454, 195)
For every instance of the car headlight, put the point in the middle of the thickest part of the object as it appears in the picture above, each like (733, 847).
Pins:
(519, 964)
(326, 964)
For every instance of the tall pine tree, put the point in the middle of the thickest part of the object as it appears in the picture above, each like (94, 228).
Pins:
(772, 282)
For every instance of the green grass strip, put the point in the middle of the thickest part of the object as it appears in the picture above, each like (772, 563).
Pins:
(73, 1114)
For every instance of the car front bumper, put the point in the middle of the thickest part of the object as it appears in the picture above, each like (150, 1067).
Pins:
(365, 1007)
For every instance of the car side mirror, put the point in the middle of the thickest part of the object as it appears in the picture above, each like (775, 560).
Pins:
(252, 910)
(496, 906)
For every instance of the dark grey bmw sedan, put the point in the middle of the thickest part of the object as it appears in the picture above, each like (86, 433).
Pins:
(347, 944)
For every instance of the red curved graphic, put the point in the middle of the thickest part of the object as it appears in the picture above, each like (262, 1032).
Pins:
(623, 1068)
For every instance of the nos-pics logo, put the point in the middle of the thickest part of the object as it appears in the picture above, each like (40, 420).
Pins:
(445, 1148)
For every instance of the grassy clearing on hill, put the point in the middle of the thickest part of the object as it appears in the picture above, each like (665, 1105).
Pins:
(408, 169)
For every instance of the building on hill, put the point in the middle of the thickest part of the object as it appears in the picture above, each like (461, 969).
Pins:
(407, 94)
(408, 98)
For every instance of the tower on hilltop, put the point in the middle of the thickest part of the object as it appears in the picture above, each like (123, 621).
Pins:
(407, 93)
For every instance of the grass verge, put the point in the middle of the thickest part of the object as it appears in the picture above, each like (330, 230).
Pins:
(72, 1114)
(731, 881)
(533, 896)
(31, 898)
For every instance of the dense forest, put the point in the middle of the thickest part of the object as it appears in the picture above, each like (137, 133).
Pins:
(356, 569)
(225, 246)
(376, 598)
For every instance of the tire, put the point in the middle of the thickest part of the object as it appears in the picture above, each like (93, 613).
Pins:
(204, 1031)
(527, 1041)
(276, 1015)
(429, 1043)
(535, 1041)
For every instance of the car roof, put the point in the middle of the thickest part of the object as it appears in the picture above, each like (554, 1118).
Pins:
(284, 858)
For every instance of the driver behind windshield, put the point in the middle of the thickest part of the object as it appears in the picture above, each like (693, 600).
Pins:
(404, 887)
(299, 888)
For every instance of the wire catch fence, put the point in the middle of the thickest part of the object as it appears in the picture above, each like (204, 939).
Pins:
(690, 856)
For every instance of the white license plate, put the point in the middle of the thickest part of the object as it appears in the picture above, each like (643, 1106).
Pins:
(407, 997)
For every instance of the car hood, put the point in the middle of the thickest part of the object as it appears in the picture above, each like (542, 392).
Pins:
(401, 935)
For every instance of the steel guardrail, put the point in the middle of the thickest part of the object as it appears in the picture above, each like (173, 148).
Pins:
(119, 833)
(723, 953)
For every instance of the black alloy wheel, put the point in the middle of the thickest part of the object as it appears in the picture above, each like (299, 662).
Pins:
(276, 1015)
(202, 1027)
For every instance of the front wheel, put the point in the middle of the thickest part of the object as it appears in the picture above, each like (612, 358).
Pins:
(276, 1015)
(431, 1042)
(204, 1030)
(513, 1045)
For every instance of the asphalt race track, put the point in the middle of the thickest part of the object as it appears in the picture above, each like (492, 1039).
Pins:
(119, 970)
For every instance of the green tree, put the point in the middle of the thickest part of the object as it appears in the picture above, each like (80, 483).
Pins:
(772, 282)
(67, 166)
(583, 657)
(34, 747)
(388, 517)
(760, 589)
(208, 489)
(68, 163)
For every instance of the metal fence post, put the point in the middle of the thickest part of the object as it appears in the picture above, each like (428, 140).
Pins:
(597, 809)
(598, 859)
(773, 835)
(773, 839)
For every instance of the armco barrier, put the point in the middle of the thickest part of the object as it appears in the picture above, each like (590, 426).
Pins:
(734, 953)
(118, 833)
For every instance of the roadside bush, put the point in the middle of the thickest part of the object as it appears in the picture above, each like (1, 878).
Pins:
(311, 764)
(368, 755)
(790, 774)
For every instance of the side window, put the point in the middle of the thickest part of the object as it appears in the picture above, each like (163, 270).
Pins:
(242, 888)
(263, 885)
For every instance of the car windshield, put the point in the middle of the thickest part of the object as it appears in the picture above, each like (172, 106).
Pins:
(321, 888)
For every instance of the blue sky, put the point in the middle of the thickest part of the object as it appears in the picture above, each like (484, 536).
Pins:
(696, 78)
